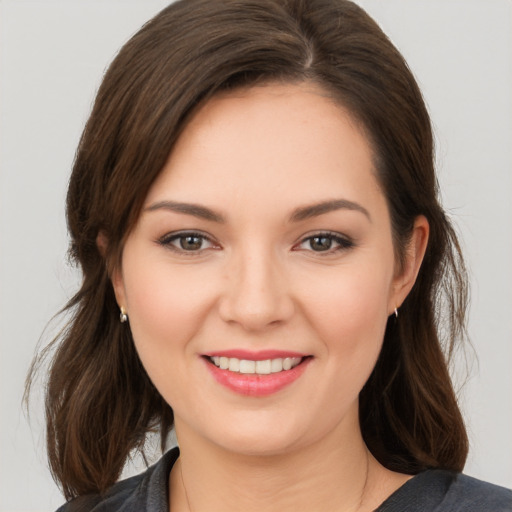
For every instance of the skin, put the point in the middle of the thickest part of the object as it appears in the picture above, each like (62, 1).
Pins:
(257, 281)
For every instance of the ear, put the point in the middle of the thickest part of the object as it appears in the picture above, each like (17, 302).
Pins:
(406, 276)
(115, 273)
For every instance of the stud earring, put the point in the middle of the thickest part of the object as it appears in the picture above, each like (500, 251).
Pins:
(123, 317)
(396, 312)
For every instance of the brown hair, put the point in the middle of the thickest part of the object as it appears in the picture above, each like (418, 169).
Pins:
(100, 402)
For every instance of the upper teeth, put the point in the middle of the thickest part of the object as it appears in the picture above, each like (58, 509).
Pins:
(264, 367)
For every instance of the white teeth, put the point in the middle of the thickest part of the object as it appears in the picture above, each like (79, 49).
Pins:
(263, 367)
(234, 365)
(276, 365)
(248, 366)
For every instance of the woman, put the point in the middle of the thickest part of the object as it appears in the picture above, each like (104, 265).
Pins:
(254, 208)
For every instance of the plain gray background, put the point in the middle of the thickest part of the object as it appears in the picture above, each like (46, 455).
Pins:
(53, 54)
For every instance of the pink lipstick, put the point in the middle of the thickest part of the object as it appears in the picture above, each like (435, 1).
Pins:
(256, 374)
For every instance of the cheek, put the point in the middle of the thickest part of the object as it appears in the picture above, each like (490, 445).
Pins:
(166, 311)
(349, 313)
(165, 308)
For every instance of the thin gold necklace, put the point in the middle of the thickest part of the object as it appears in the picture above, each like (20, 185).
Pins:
(185, 489)
(363, 492)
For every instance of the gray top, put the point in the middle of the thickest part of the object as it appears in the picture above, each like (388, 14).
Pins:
(434, 490)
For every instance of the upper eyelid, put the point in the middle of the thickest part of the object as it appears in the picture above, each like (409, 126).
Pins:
(186, 232)
(166, 240)
(345, 242)
(330, 234)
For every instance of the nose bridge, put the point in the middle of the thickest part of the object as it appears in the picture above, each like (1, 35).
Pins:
(257, 295)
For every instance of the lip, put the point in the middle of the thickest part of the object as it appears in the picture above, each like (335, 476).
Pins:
(252, 384)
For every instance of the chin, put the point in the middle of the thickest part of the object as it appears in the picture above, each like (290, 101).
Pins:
(261, 446)
(261, 436)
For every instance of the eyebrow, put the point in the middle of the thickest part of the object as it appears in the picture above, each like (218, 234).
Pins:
(189, 209)
(314, 210)
(299, 214)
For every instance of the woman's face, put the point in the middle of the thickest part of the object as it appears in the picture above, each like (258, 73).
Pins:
(261, 273)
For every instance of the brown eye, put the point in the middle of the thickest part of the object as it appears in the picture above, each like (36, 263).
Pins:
(320, 243)
(328, 243)
(191, 242)
(187, 242)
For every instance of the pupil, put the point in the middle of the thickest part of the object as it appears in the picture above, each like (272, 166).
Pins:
(321, 243)
(190, 243)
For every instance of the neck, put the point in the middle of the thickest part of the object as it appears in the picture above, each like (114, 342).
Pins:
(333, 474)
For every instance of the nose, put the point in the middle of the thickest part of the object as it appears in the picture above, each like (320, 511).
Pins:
(257, 295)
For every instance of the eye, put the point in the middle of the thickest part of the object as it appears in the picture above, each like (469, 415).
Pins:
(325, 243)
(190, 242)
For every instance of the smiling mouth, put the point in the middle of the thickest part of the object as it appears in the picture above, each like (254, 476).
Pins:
(248, 367)
(256, 374)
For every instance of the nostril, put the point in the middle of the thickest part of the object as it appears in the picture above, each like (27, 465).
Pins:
(256, 310)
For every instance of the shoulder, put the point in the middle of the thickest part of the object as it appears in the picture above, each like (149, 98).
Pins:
(146, 492)
(470, 494)
(447, 491)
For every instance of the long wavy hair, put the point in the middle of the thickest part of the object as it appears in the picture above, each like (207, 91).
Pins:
(100, 403)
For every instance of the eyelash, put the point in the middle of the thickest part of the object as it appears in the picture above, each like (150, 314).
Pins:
(343, 242)
(166, 241)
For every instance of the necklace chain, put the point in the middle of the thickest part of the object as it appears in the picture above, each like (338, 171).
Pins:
(184, 488)
(363, 492)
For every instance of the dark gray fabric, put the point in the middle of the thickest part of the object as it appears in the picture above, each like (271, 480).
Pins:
(445, 491)
(430, 491)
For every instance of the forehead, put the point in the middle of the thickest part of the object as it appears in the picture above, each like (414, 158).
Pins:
(291, 139)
